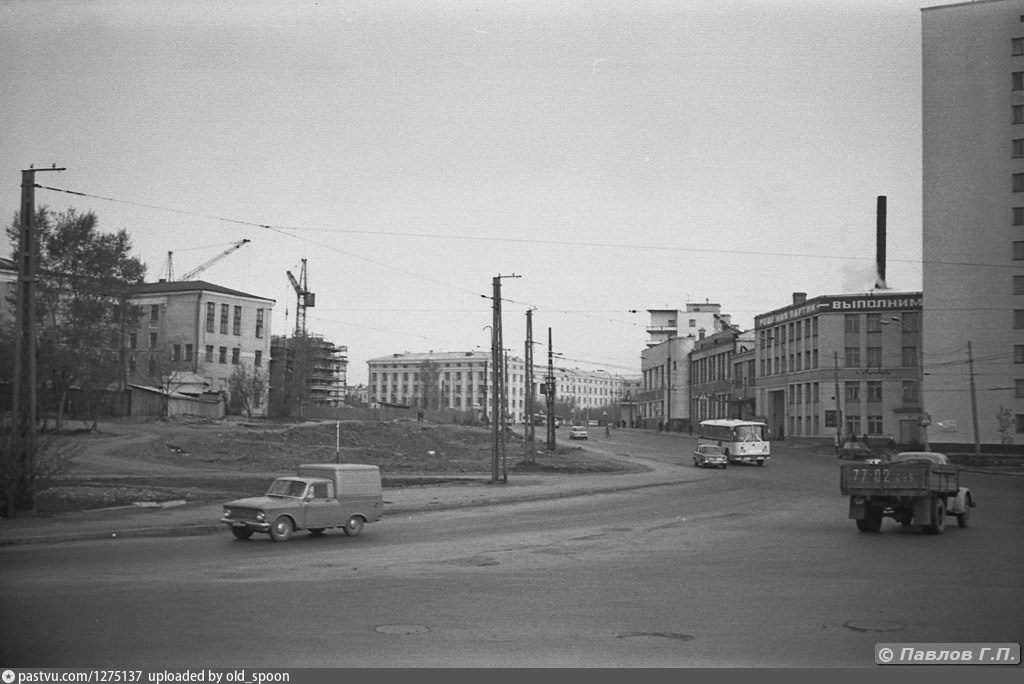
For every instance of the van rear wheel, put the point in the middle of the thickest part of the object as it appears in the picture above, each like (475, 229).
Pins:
(354, 526)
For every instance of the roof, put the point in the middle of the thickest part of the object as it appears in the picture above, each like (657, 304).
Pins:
(183, 286)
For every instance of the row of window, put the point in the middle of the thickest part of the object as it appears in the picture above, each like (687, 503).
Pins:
(184, 353)
(235, 318)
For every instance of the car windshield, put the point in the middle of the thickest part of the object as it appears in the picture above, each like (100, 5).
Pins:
(295, 488)
(927, 457)
(712, 450)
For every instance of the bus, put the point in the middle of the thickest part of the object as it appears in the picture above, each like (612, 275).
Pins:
(744, 441)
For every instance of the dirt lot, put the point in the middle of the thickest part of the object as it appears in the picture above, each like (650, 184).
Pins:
(128, 462)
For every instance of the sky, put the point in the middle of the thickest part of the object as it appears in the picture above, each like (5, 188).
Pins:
(601, 157)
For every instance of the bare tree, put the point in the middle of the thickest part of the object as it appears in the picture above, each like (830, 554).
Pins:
(248, 387)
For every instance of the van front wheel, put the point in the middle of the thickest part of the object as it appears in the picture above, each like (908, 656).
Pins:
(354, 526)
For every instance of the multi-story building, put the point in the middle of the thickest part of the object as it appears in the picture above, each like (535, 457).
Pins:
(712, 374)
(973, 221)
(323, 369)
(665, 367)
(848, 363)
(461, 381)
(194, 334)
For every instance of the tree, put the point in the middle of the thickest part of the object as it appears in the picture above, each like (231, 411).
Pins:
(430, 384)
(247, 387)
(1007, 424)
(84, 278)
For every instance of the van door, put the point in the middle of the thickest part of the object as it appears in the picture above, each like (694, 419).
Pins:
(322, 509)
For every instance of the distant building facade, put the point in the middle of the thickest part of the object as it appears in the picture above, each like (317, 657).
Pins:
(973, 222)
(190, 336)
(842, 363)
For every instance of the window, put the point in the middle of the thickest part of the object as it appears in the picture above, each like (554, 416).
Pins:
(911, 321)
(911, 392)
(1017, 80)
(154, 314)
(853, 425)
(236, 325)
(1017, 148)
(909, 357)
(133, 341)
(224, 317)
(188, 352)
(874, 323)
(874, 425)
(852, 321)
(1018, 46)
(259, 322)
(852, 391)
(176, 353)
(1018, 319)
(693, 322)
(852, 357)
(1018, 285)
(258, 361)
(1018, 353)
(1018, 182)
(874, 357)
(236, 356)
(1018, 387)
(1018, 217)
(222, 355)
(875, 390)
(1018, 114)
(209, 353)
(210, 309)
(152, 340)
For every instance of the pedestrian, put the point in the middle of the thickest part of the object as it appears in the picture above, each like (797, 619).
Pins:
(661, 425)
(839, 441)
(607, 431)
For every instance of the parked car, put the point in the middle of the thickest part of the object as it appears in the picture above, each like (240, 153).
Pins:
(858, 451)
(710, 455)
(578, 433)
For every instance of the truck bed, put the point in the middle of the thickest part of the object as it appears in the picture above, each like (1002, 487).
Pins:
(897, 479)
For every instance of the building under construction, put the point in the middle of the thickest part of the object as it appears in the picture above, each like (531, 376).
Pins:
(306, 371)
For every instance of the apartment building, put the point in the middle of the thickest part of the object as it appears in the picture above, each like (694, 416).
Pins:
(192, 335)
(461, 381)
(665, 399)
(973, 222)
(842, 363)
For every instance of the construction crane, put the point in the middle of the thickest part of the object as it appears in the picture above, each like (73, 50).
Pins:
(305, 298)
(199, 269)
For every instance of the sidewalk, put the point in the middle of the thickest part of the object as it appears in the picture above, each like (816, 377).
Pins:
(177, 519)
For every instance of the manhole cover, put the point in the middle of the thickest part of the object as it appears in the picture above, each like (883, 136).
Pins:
(874, 626)
(401, 629)
(656, 635)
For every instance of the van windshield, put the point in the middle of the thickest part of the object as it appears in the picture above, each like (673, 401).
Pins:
(295, 488)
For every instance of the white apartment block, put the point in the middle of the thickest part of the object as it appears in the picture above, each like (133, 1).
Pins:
(973, 220)
(461, 381)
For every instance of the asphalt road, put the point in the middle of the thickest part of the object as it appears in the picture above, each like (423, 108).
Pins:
(746, 567)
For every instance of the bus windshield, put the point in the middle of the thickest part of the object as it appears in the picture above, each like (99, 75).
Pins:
(749, 433)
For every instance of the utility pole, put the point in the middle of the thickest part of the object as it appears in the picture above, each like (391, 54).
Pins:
(974, 401)
(530, 433)
(23, 397)
(549, 386)
(498, 386)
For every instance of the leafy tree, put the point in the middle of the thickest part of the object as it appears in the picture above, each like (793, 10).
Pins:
(247, 387)
(84, 277)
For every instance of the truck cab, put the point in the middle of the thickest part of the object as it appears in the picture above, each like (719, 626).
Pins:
(320, 496)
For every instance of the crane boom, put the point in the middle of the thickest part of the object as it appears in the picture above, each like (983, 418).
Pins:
(199, 269)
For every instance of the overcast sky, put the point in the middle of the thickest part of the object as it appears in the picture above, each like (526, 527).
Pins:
(616, 156)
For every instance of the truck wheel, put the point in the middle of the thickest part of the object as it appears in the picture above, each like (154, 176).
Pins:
(938, 523)
(241, 532)
(964, 519)
(872, 523)
(353, 527)
(281, 530)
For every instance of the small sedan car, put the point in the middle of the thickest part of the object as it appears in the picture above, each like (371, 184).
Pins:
(578, 433)
(710, 455)
(857, 451)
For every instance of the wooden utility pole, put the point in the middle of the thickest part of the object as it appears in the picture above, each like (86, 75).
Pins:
(23, 397)
(498, 385)
(549, 386)
(529, 433)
